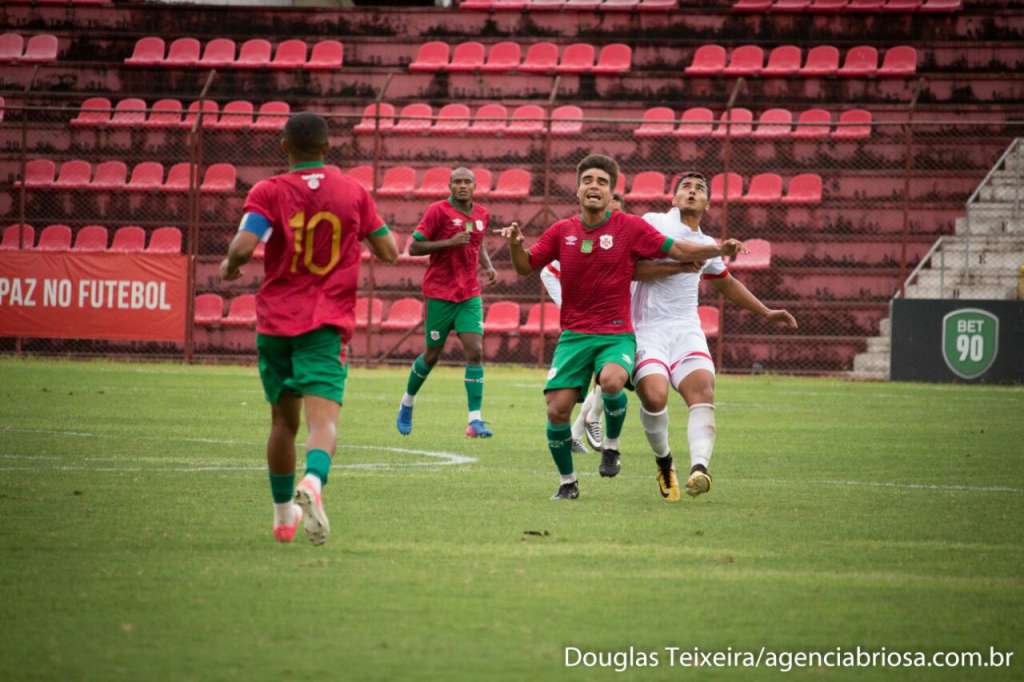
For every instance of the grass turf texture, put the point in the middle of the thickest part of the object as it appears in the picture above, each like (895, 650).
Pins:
(136, 540)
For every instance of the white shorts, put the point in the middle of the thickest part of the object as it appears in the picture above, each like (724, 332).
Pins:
(673, 352)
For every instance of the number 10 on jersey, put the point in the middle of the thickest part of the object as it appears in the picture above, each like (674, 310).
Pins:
(303, 240)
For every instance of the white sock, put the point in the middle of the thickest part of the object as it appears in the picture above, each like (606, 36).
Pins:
(474, 415)
(596, 405)
(700, 432)
(610, 443)
(656, 429)
(283, 513)
(313, 481)
(579, 426)
(567, 479)
(408, 400)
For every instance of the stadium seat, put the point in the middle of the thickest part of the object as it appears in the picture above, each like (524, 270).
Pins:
(513, 183)
(695, 122)
(804, 189)
(91, 238)
(148, 175)
(468, 56)
(272, 116)
(165, 240)
(55, 238)
(647, 186)
(752, 5)
(540, 58)
(740, 123)
(545, 5)
(490, 119)
(129, 239)
(387, 118)
(210, 110)
(718, 187)
(404, 314)
(620, 184)
(453, 119)
(899, 61)
(74, 175)
(502, 318)
(508, 5)
(178, 177)
(241, 311)
(577, 58)
(11, 236)
(567, 120)
(182, 52)
(218, 53)
(363, 175)
(709, 322)
(765, 188)
(209, 309)
(40, 49)
(527, 120)
(708, 60)
(435, 183)
(476, 4)
(614, 59)
(759, 256)
(415, 118)
(363, 310)
(552, 325)
(129, 113)
(789, 6)
(745, 60)
(290, 54)
(822, 60)
(39, 173)
(854, 124)
(235, 115)
(657, 122)
(861, 60)
(94, 111)
(503, 56)
(942, 6)
(774, 124)
(864, 6)
(12, 46)
(110, 175)
(165, 113)
(148, 51)
(813, 123)
(484, 180)
(397, 181)
(326, 55)
(902, 6)
(219, 177)
(432, 56)
(404, 243)
(619, 5)
(254, 54)
(783, 61)
(658, 5)
(827, 6)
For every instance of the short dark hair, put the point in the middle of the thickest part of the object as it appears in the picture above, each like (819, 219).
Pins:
(601, 162)
(692, 174)
(306, 132)
(617, 196)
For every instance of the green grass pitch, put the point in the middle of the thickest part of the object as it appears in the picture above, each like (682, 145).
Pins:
(135, 538)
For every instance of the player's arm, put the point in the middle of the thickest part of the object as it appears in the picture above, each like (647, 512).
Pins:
(689, 252)
(485, 264)
(382, 244)
(251, 230)
(647, 270)
(735, 291)
(421, 246)
(520, 257)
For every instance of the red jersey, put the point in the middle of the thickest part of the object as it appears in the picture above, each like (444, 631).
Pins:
(452, 273)
(597, 266)
(317, 216)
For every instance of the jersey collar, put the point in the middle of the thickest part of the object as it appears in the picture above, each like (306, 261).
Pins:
(306, 165)
(451, 202)
(607, 217)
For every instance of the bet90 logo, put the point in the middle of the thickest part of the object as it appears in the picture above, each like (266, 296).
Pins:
(970, 341)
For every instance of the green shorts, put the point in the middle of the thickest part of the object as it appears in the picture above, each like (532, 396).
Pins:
(580, 356)
(465, 317)
(309, 364)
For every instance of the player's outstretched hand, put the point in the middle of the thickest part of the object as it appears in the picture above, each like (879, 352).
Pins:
(491, 275)
(227, 273)
(782, 317)
(512, 233)
(731, 247)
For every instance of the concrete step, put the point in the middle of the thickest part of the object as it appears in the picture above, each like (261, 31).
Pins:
(986, 259)
(871, 362)
(997, 223)
(972, 277)
(868, 376)
(989, 293)
(879, 344)
(884, 327)
(1002, 193)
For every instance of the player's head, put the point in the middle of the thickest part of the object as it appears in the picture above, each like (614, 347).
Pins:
(617, 203)
(692, 193)
(462, 184)
(596, 176)
(305, 136)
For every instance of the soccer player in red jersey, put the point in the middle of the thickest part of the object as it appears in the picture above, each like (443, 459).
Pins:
(598, 251)
(312, 219)
(452, 233)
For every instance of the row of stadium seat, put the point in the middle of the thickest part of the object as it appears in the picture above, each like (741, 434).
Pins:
(822, 60)
(113, 175)
(572, 5)
(167, 113)
(38, 50)
(128, 239)
(400, 181)
(848, 6)
(220, 53)
(776, 123)
(540, 58)
(456, 119)
(765, 188)
(74, 2)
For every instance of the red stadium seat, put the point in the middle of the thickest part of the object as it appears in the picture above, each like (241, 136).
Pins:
(708, 60)
(387, 118)
(502, 318)
(397, 181)
(822, 60)
(758, 258)
(752, 6)
(209, 309)
(942, 6)
(166, 113)
(709, 322)
(74, 175)
(94, 111)
(577, 58)
(148, 175)
(813, 123)
(432, 56)
(540, 58)
(110, 175)
(326, 55)
(40, 49)
(508, 5)
(490, 119)
(614, 59)
(745, 60)
(827, 6)
(513, 183)
(39, 173)
(545, 5)
(468, 56)
(527, 120)
(235, 115)
(254, 54)
(804, 189)
(619, 5)
(453, 119)
(484, 180)
(363, 175)
(620, 184)
(149, 51)
(55, 238)
(435, 183)
(783, 61)
(695, 122)
(899, 61)
(903, 6)
(218, 53)
(657, 122)
(864, 6)
(165, 240)
(11, 236)
(415, 118)
(854, 124)
(210, 110)
(860, 61)
(219, 177)
(765, 188)
(291, 54)
(272, 116)
(91, 238)
(12, 46)
(129, 239)
(647, 186)
(740, 120)
(567, 120)
(789, 6)
(718, 187)
(129, 113)
(582, 5)
(658, 5)
(177, 177)
(404, 243)
(183, 52)
(363, 310)
(774, 123)
(504, 56)
(241, 311)
(552, 325)
(405, 313)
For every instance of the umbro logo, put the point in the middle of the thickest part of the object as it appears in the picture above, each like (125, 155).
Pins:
(571, 240)
(457, 222)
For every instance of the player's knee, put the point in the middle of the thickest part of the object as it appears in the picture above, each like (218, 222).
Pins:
(432, 355)
(473, 354)
(284, 424)
(613, 382)
(653, 399)
(558, 413)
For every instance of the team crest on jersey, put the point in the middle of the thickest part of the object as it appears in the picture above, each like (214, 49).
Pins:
(313, 180)
(570, 240)
(479, 226)
(606, 241)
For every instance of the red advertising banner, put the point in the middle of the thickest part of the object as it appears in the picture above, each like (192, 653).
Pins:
(111, 296)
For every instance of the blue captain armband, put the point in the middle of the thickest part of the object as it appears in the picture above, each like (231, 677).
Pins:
(255, 223)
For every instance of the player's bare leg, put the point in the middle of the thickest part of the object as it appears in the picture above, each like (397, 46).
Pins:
(560, 404)
(612, 379)
(472, 350)
(284, 426)
(322, 420)
(653, 391)
(698, 390)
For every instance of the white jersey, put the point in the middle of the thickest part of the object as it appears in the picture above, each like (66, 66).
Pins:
(551, 276)
(672, 301)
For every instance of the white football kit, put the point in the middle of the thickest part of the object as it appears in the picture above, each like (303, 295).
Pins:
(669, 339)
(551, 277)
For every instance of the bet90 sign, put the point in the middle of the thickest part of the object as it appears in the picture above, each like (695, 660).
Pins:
(970, 341)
